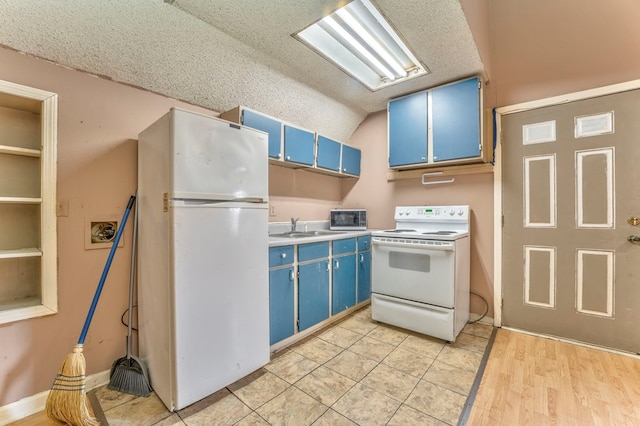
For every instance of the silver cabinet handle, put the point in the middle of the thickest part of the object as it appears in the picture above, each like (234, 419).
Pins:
(279, 155)
(292, 274)
(361, 258)
(337, 264)
(328, 265)
(283, 255)
(288, 157)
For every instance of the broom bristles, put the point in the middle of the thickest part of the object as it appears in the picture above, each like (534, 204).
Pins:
(67, 402)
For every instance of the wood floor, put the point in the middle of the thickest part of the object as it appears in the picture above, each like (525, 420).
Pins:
(530, 380)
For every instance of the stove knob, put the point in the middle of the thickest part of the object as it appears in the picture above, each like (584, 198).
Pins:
(401, 213)
(460, 212)
(451, 212)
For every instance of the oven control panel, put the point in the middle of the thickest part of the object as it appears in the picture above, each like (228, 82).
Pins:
(432, 213)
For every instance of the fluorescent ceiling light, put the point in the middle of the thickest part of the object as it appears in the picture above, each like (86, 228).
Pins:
(359, 40)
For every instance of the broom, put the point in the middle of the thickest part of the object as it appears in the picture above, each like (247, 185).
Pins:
(128, 374)
(67, 402)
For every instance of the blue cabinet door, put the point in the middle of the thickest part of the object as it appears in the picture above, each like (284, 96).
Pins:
(281, 304)
(344, 283)
(455, 111)
(328, 154)
(268, 125)
(364, 276)
(298, 145)
(408, 130)
(351, 160)
(313, 293)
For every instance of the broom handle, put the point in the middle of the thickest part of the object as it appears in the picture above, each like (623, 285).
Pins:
(132, 276)
(96, 296)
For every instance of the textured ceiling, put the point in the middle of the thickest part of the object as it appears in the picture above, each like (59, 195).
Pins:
(220, 54)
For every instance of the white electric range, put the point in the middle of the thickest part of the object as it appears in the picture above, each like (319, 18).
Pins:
(421, 270)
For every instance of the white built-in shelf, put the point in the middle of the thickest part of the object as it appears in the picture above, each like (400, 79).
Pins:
(14, 150)
(25, 252)
(20, 200)
(28, 135)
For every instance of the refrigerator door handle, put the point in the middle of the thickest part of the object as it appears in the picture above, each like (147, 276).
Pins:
(249, 199)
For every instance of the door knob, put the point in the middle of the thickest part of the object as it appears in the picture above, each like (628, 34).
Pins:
(634, 221)
(633, 239)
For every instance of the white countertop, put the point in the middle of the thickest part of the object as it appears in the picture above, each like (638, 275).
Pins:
(309, 226)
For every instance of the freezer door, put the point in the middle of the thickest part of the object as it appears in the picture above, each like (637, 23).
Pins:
(221, 296)
(214, 159)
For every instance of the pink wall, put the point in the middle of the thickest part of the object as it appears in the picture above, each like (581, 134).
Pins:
(98, 125)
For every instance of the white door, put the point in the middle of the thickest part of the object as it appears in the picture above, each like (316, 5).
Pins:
(570, 189)
(215, 159)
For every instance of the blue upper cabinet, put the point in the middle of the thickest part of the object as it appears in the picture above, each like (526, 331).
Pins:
(455, 116)
(298, 145)
(328, 154)
(408, 130)
(442, 125)
(258, 121)
(351, 160)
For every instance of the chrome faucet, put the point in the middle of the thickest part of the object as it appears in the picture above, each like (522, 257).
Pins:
(294, 222)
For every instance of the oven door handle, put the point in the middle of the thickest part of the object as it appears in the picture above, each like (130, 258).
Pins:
(426, 247)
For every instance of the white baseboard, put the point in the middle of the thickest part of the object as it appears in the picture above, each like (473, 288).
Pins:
(36, 403)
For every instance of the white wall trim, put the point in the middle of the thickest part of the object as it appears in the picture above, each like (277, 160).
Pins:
(497, 172)
(36, 403)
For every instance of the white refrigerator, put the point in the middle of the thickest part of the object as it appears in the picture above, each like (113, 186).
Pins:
(203, 280)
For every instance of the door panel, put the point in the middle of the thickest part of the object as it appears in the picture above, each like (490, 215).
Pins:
(569, 186)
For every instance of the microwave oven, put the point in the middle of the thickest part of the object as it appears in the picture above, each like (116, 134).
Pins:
(348, 219)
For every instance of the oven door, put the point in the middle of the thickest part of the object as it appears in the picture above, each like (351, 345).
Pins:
(414, 270)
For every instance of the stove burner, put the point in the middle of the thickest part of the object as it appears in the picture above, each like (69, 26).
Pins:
(397, 231)
(440, 233)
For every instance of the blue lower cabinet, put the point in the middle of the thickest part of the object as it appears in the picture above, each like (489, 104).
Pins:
(313, 293)
(281, 304)
(344, 283)
(364, 276)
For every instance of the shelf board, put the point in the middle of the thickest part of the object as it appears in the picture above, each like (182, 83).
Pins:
(20, 200)
(14, 150)
(464, 169)
(25, 252)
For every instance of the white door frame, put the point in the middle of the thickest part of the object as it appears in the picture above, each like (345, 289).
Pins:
(497, 173)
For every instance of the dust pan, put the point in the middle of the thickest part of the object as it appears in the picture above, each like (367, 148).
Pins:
(128, 374)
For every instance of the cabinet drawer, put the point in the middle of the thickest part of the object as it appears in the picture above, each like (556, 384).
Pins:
(347, 245)
(364, 243)
(279, 256)
(313, 251)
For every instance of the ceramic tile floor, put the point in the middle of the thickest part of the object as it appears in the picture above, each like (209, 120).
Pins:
(354, 372)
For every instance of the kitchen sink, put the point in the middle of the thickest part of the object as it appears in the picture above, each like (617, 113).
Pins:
(302, 234)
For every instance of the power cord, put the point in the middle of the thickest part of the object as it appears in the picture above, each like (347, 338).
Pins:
(486, 307)
(122, 318)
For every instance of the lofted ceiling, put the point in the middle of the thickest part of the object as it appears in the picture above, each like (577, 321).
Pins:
(224, 53)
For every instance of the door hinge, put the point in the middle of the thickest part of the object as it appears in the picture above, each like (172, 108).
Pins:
(297, 324)
(501, 303)
(503, 221)
(165, 202)
(298, 274)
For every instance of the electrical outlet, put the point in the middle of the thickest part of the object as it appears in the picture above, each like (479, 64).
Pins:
(272, 210)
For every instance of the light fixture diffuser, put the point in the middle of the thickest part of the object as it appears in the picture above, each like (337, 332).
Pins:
(359, 40)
